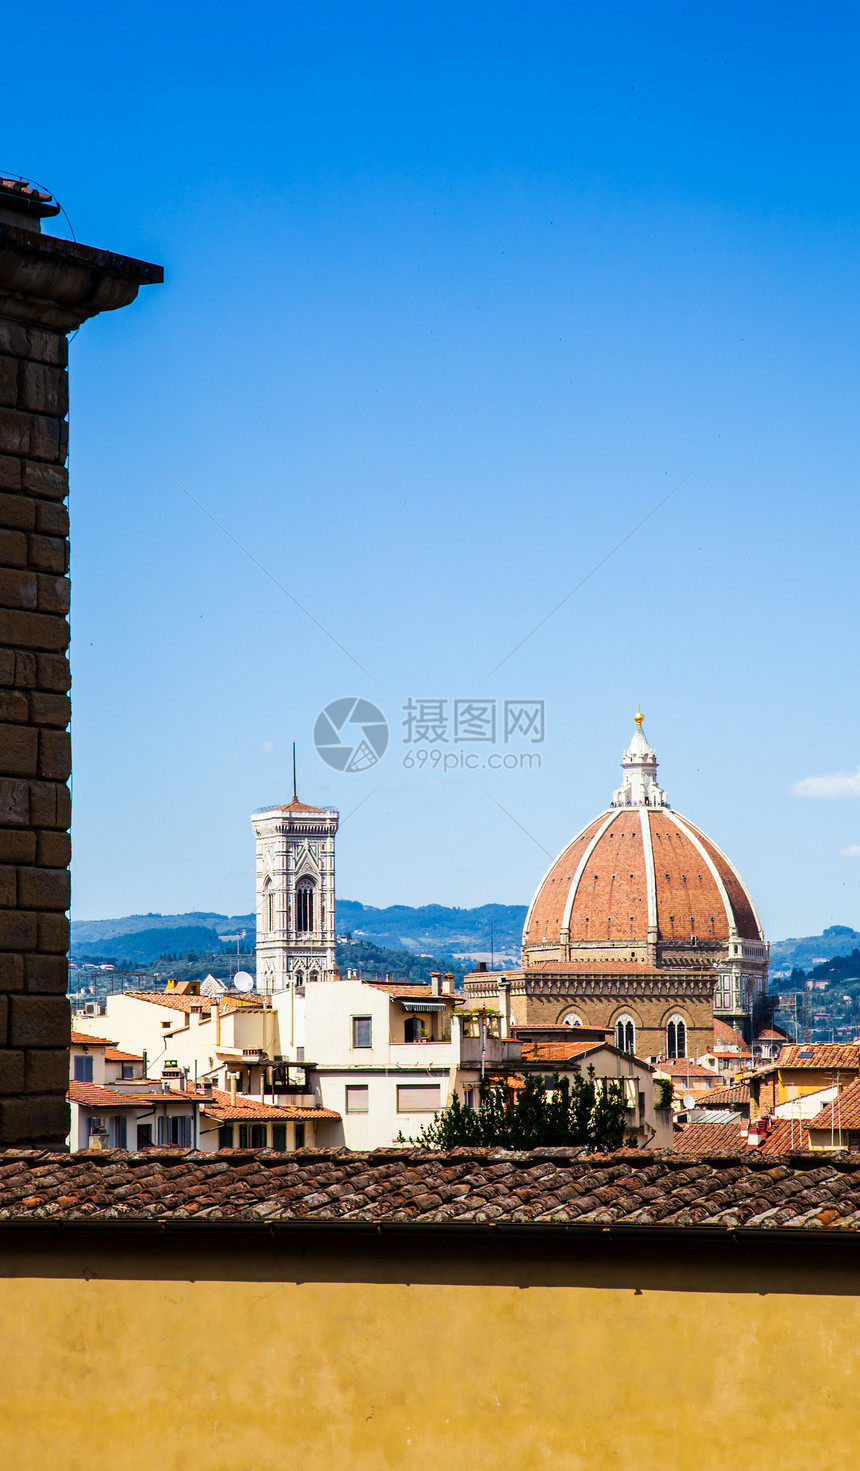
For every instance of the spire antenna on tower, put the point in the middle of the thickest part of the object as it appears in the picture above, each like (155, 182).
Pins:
(295, 793)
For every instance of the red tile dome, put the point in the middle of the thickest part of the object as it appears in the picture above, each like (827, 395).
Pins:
(638, 875)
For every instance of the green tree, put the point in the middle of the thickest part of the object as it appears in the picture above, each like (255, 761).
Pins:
(578, 1113)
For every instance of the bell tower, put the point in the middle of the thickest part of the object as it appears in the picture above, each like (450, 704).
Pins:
(295, 894)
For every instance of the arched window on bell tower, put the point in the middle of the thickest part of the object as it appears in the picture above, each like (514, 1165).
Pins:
(268, 906)
(304, 906)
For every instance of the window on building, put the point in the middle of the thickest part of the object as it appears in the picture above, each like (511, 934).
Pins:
(176, 1130)
(357, 1098)
(144, 1136)
(412, 1029)
(853, 1141)
(225, 1136)
(128, 1070)
(418, 1098)
(279, 1136)
(304, 906)
(469, 1097)
(625, 1034)
(259, 1136)
(676, 1037)
(268, 915)
(299, 1136)
(572, 1020)
(117, 1133)
(84, 1069)
(361, 1032)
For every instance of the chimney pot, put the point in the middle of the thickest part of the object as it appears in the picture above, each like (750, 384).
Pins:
(25, 206)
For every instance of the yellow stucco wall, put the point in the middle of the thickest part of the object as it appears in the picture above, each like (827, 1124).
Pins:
(693, 1369)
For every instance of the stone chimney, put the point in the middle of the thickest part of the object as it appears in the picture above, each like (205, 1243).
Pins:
(435, 983)
(48, 287)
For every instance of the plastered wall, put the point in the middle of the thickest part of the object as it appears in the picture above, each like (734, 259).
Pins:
(271, 1352)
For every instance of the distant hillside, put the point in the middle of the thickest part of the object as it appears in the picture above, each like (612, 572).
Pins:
(837, 939)
(146, 946)
(432, 930)
(98, 931)
(436, 929)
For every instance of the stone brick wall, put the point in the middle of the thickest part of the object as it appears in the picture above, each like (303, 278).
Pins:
(35, 751)
(47, 288)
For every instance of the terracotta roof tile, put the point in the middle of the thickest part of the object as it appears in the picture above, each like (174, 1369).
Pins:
(818, 1055)
(703, 1136)
(82, 1039)
(721, 1097)
(557, 1051)
(217, 1104)
(786, 1136)
(720, 1189)
(842, 1113)
(680, 1068)
(113, 1054)
(724, 1033)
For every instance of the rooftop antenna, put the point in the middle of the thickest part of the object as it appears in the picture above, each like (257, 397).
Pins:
(492, 946)
(295, 793)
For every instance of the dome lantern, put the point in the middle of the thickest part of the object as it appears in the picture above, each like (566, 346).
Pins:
(639, 767)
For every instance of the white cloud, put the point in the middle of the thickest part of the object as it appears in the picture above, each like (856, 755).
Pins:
(267, 745)
(852, 851)
(832, 788)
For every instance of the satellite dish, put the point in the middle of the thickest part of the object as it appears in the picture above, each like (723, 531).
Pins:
(689, 1101)
(243, 981)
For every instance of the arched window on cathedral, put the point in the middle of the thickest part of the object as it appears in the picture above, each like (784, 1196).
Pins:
(676, 1037)
(572, 1020)
(304, 906)
(625, 1034)
(268, 906)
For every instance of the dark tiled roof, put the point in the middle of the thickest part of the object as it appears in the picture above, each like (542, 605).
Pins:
(548, 1187)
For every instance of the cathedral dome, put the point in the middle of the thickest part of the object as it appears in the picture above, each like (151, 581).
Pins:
(640, 883)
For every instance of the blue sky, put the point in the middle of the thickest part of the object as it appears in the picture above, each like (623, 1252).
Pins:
(454, 297)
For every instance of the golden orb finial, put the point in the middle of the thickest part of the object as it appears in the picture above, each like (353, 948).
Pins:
(639, 717)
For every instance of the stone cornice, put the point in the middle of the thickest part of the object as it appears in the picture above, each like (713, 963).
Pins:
(58, 284)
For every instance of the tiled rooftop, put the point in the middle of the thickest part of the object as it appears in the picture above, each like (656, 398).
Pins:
(721, 1097)
(467, 1186)
(216, 1104)
(705, 1136)
(842, 1113)
(81, 1039)
(558, 1051)
(818, 1055)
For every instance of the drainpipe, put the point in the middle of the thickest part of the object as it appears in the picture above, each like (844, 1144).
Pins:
(217, 1024)
(233, 1090)
(504, 987)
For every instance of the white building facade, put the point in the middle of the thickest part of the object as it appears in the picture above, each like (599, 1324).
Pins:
(295, 895)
